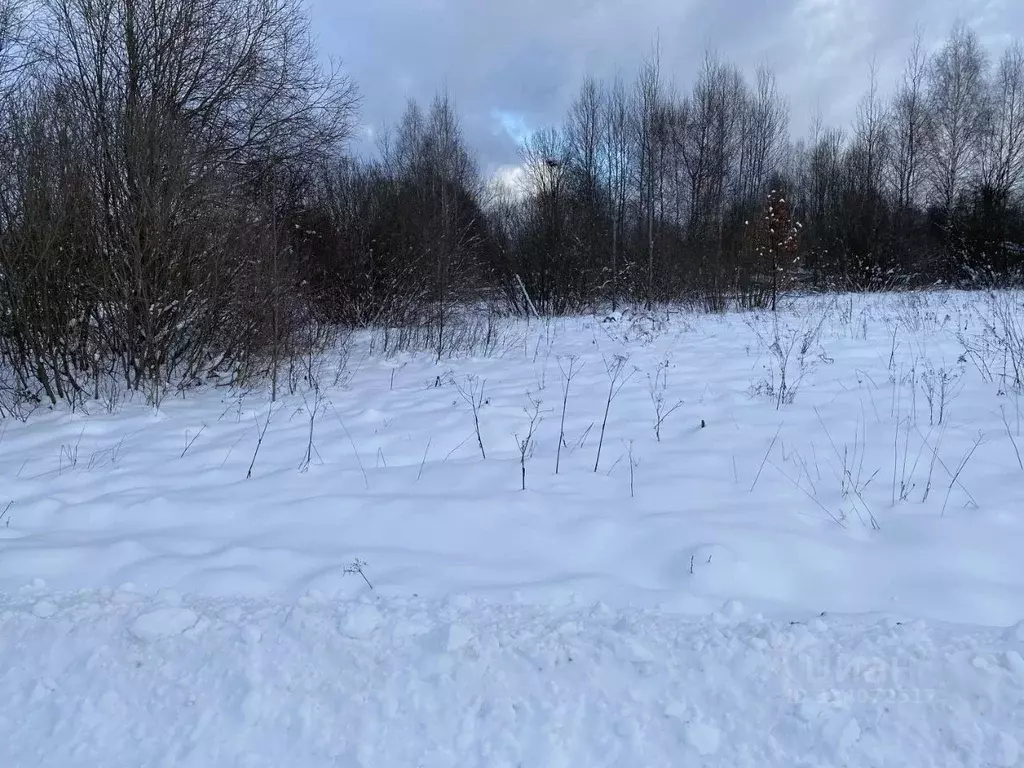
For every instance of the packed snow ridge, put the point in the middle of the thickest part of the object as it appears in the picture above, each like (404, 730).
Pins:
(744, 540)
(119, 679)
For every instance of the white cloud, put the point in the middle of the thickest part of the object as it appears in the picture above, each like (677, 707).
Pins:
(512, 178)
(514, 67)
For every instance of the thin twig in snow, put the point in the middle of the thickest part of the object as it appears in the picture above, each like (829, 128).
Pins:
(1009, 433)
(567, 377)
(259, 442)
(352, 442)
(423, 461)
(191, 442)
(959, 469)
(765, 459)
(615, 385)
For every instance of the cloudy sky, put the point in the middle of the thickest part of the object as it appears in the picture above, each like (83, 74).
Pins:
(514, 66)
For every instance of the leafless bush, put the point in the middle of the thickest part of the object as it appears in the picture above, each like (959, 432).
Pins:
(151, 161)
(525, 442)
(568, 374)
(850, 471)
(656, 387)
(472, 392)
(312, 412)
(997, 350)
(358, 567)
(903, 471)
(922, 314)
(794, 350)
(940, 386)
(467, 331)
(617, 379)
(638, 327)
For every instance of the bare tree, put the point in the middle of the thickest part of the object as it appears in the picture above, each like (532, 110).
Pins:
(764, 121)
(909, 123)
(583, 134)
(871, 135)
(956, 101)
(647, 122)
(866, 166)
(710, 146)
(647, 116)
(545, 158)
(617, 151)
(1002, 156)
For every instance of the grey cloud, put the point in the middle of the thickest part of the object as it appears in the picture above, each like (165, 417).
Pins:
(524, 60)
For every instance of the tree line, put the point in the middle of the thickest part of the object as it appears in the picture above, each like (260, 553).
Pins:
(647, 193)
(177, 203)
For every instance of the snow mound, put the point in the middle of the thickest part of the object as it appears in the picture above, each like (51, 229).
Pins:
(418, 682)
(704, 738)
(163, 622)
(360, 622)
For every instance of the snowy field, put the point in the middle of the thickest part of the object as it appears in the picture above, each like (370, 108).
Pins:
(744, 540)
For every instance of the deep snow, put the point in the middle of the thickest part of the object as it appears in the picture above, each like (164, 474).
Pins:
(118, 679)
(882, 487)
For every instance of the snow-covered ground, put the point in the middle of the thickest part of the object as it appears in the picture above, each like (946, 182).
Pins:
(818, 562)
(117, 679)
